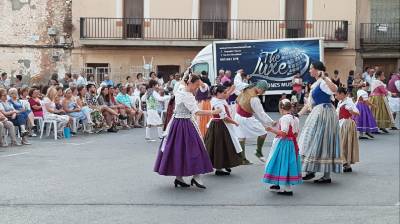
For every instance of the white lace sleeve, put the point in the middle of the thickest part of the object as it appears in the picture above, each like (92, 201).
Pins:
(324, 87)
(190, 103)
(284, 123)
(349, 105)
(259, 113)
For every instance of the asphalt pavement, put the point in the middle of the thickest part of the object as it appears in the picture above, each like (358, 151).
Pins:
(108, 178)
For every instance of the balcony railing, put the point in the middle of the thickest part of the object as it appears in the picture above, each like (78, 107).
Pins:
(380, 34)
(210, 29)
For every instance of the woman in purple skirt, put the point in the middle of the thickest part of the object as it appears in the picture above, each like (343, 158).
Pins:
(182, 152)
(366, 123)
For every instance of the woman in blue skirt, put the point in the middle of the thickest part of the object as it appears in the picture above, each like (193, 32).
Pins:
(283, 167)
(319, 141)
(182, 152)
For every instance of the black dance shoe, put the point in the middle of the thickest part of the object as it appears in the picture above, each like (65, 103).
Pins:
(275, 188)
(369, 135)
(384, 130)
(347, 170)
(323, 180)
(221, 173)
(228, 170)
(309, 176)
(179, 183)
(194, 182)
(286, 193)
(394, 128)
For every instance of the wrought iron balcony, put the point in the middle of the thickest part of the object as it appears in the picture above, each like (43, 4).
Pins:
(380, 35)
(209, 29)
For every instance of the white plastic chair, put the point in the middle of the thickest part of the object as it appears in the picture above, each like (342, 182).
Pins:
(50, 122)
(39, 120)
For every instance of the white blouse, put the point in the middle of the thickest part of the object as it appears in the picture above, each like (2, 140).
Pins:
(348, 105)
(188, 100)
(259, 113)
(289, 120)
(220, 104)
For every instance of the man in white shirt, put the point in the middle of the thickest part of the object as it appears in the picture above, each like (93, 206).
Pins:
(79, 80)
(4, 81)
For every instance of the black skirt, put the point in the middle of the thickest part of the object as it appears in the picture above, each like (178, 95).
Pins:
(220, 147)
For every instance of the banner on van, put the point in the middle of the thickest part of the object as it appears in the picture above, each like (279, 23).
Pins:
(276, 61)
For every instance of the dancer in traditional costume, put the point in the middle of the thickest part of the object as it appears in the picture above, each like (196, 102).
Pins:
(366, 124)
(152, 97)
(251, 118)
(203, 97)
(394, 99)
(221, 140)
(240, 82)
(283, 167)
(182, 151)
(319, 141)
(381, 110)
(348, 131)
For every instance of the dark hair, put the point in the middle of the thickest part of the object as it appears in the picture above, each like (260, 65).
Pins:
(193, 78)
(44, 89)
(128, 88)
(217, 89)
(293, 92)
(128, 77)
(366, 69)
(351, 72)
(152, 73)
(3, 74)
(73, 88)
(342, 90)
(285, 106)
(23, 89)
(204, 73)
(160, 75)
(69, 75)
(19, 77)
(378, 73)
(319, 65)
(227, 84)
(31, 90)
(336, 72)
(54, 76)
(88, 86)
(366, 84)
(139, 74)
(90, 76)
(80, 89)
(152, 83)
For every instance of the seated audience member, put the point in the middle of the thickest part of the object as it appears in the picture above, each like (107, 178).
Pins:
(125, 100)
(9, 126)
(35, 102)
(134, 101)
(52, 113)
(73, 109)
(110, 112)
(17, 116)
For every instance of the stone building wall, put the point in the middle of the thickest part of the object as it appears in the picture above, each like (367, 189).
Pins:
(26, 47)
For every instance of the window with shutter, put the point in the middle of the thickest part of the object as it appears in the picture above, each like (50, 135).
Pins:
(214, 16)
(133, 18)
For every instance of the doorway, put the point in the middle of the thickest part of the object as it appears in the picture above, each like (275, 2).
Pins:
(166, 70)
